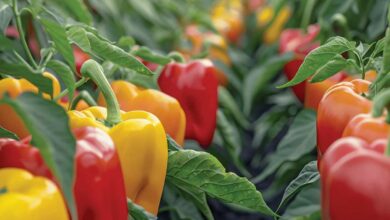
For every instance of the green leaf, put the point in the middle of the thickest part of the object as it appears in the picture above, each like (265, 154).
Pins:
(306, 205)
(203, 172)
(52, 136)
(78, 9)
(108, 51)
(377, 19)
(126, 41)
(3, 190)
(58, 35)
(226, 100)
(6, 44)
(319, 57)
(172, 145)
(65, 73)
(148, 55)
(306, 177)
(299, 140)
(386, 53)
(260, 77)
(19, 70)
(5, 17)
(137, 212)
(179, 206)
(4, 133)
(332, 67)
(79, 36)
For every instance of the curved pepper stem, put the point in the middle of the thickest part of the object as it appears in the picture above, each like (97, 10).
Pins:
(176, 56)
(382, 101)
(93, 70)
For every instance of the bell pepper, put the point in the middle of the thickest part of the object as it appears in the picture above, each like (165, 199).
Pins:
(80, 57)
(337, 107)
(350, 189)
(227, 19)
(273, 31)
(24, 196)
(166, 108)
(300, 44)
(195, 86)
(315, 91)
(139, 138)
(97, 170)
(14, 87)
(217, 48)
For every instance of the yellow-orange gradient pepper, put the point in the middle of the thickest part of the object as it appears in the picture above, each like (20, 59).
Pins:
(14, 87)
(24, 196)
(265, 16)
(165, 107)
(139, 138)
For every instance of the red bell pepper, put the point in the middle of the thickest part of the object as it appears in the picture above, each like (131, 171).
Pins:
(80, 57)
(99, 187)
(355, 180)
(195, 86)
(301, 44)
(338, 106)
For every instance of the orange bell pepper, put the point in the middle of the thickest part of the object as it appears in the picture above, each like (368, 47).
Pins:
(165, 107)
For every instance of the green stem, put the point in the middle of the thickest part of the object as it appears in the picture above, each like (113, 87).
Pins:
(21, 33)
(381, 102)
(66, 91)
(176, 56)
(93, 70)
(83, 95)
(307, 14)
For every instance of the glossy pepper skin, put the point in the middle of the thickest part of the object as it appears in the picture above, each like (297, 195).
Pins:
(29, 197)
(166, 108)
(97, 170)
(300, 44)
(337, 107)
(14, 87)
(140, 141)
(355, 180)
(195, 86)
(80, 57)
(315, 91)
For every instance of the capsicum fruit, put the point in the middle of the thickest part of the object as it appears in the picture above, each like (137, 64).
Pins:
(337, 107)
(195, 86)
(166, 108)
(139, 138)
(300, 44)
(14, 87)
(355, 180)
(97, 170)
(266, 15)
(24, 196)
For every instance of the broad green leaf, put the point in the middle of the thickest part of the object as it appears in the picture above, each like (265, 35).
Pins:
(126, 41)
(377, 17)
(319, 57)
(57, 34)
(226, 100)
(332, 7)
(137, 212)
(108, 51)
(5, 17)
(65, 73)
(4, 133)
(151, 56)
(307, 176)
(22, 71)
(386, 53)
(260, 77)
(205, 173)
(79, 36)
(197, 196)
(78, 9)
(332, 67)
(178, 206)
(6, 44)
(51, 134)
(306, 205)
(299, 140)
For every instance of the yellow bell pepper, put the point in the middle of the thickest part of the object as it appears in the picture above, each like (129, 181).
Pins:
(266, 14)
(27, 197)
(14, 87)
(139, 138)
(165, 107)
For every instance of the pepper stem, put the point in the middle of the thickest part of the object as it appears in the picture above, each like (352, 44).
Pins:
(3, 190)
(93, 70)
(83, 95)
(382, 101)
